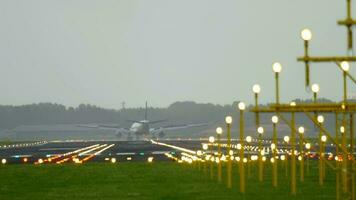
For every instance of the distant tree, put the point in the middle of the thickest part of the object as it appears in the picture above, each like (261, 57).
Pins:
(177, 113)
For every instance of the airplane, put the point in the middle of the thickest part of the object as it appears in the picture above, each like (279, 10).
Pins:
(142, 128)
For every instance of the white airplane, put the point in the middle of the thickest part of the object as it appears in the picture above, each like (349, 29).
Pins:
(141, 129)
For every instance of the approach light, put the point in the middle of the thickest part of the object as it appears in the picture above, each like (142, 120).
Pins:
(231, 152)
(283, 157)
(242, 106)
(277, 67)
(306, 34)
(199, 153)
(286, 138)
(205, 146)
(272, 160)
(3, 161)
(315, 88)
(307, 146)
(345, 66)
(260, 130)
(275, 119)
(211, 139)
(207, 157)
(239, 146)
(219, 130)
(248, 139)
(228, 119)
(323, 138)
(301, 130)
(343, 106)
(113, 160)
(150, 159)
(320, 119)
(262, 152)
(217, 160)
(256, 89)
(223, 158)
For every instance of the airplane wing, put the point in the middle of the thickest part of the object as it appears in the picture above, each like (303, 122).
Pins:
(160, 130)
(101, 126)
(158, 121)
(133, 121)
(149, 122)
(182, 126)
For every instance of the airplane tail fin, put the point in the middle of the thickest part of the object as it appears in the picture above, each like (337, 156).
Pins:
(146, 111)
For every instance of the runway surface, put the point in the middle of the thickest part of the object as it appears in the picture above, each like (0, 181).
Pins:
(95, 151)
(108, 151)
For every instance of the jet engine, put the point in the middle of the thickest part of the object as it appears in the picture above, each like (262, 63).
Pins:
(118, 134)
(161, 134)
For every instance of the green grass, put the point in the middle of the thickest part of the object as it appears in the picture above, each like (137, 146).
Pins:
(160, 180)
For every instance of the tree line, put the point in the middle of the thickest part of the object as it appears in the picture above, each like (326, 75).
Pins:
(176, 113)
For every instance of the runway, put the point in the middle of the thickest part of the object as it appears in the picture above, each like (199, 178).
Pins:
(94, 151)
(62, 152)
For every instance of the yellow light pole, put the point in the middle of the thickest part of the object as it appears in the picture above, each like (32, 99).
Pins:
(248, 140)
(205, 148)
(286, 142)
(306, 35)
(320, 120)
(308, 146)
(256, 90)
(242, 153)
(352, 161)
(345, 66)
(260, 132)
(342, 131)
(342, 62)
(283, 159)
(228, 121)
(301, 131)
(277, 68)
(315, 88)
(219, 131)
(199, 154)
(211, 141)
(293, 155)
(323, 140)
(337, 155)
(274, 151)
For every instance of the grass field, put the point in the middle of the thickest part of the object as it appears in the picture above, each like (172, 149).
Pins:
(165, 180)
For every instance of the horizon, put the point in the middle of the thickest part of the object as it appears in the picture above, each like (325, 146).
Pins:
(150, 106)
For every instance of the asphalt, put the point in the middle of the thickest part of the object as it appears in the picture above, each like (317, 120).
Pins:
(101, 151)
(122, 151)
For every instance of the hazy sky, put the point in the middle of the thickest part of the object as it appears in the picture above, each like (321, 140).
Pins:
(104, 52)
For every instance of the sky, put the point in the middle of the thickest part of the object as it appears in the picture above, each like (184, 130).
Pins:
(104, 52)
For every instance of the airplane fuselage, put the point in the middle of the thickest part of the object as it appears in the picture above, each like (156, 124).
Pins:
(141, 128)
